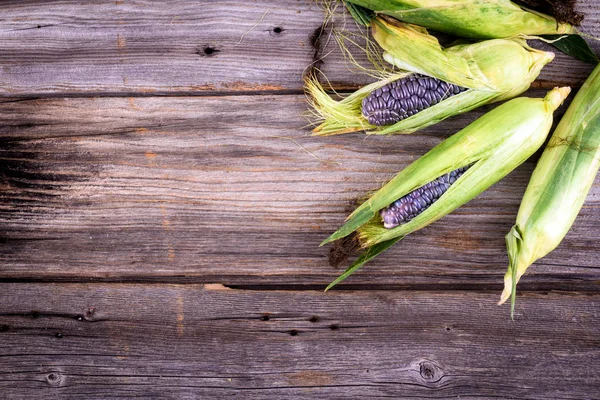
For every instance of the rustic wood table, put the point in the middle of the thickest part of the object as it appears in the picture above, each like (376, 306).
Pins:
(162, 203)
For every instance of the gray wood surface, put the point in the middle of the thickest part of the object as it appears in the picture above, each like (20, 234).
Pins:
(232, 189)
(153, 47)
(162, 202)
(99, 341)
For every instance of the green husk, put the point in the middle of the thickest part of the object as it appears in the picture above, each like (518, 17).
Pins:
(479, 19)
(558, 186)
(484, 19)
(493, 145)
(493, 70)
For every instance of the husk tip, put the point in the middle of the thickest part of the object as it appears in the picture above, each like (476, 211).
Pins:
(543, 57)
(506, 292)
(557, 96)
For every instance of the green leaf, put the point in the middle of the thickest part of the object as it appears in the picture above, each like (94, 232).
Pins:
(359, 217)
(514, 239)
(364, 258)
(574, 46)
(361, 15)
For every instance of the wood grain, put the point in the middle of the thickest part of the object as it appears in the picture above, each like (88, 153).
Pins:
(188, 47)
(161, 151)
(99, 341)
(234, 190)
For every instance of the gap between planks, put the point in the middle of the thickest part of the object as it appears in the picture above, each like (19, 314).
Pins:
(340, 89)
(524, 288)
(213, 93)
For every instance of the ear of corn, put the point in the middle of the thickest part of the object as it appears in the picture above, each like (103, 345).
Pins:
(491, 147)
(492, 70)
(558, 186)
(469, 18)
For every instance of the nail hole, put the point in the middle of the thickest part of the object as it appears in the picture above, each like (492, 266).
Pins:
(59, 335)
(293, 332)
(265, 317)
(334, 327)
(39, 26)
(208, 51)
(4, 328)
(314, 318)
(448, 329)
(277, 29)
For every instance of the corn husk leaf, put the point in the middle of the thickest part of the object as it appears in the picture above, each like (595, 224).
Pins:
(493, 145)
(573, 45)
(361, 15)
(558, 186)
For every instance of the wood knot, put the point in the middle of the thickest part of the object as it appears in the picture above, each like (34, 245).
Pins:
(54, 379)
(429, 371)
(88, 313)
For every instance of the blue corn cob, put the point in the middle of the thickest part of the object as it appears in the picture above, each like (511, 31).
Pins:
(414, 203)
(405, 97)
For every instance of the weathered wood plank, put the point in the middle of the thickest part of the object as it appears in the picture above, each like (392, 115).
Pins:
(233, 190)
(183, 46)
(191, 341)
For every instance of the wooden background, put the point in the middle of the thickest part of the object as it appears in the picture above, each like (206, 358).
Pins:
(162, 202)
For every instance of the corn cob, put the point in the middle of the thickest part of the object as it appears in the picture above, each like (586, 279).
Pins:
(558, 186)
(414, 203)
(480, 19)
(455, 80)
(405, 97)
(490, 147)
